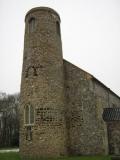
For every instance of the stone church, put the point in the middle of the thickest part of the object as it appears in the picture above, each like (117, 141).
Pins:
(63, 109)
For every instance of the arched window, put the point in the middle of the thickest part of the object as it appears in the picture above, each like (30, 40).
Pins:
(31, 24)
(31, 71)
(58, 28)
(31, 110)
(29, 115)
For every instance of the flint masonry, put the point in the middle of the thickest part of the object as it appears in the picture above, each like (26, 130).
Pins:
(63, 109)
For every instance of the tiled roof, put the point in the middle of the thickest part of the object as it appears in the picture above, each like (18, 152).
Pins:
(111, 114)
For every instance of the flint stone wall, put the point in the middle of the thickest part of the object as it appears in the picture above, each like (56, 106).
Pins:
(68, 102)
(86, 98)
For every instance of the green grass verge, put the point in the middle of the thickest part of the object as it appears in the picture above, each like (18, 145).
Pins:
(15, 156)
(10, 156)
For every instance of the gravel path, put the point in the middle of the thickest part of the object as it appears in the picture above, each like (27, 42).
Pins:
(9, 150)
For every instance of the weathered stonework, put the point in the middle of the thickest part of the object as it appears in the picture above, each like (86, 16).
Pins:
(43, 86)
(68, 103)
(114, 137)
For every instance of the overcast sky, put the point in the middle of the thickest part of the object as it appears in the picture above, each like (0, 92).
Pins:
(90, 37)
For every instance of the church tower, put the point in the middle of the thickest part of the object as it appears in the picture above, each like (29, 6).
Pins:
(42, 109)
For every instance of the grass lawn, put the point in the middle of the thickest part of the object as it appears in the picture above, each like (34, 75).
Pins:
(15, 156)
(10, 156)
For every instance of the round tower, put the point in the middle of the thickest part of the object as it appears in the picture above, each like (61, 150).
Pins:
(42, 110)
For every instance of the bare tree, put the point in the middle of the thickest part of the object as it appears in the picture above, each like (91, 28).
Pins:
(9, 121)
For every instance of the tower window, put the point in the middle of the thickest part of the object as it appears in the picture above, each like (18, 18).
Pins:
(28, 133)
(0, 124)
(58, 28)
(31, 25)
(31, 71)
(29, 115)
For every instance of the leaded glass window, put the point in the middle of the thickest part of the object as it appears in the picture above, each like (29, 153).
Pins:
(29, 115)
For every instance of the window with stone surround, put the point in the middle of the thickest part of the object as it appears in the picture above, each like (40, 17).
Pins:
(31, 24)
(29, 115)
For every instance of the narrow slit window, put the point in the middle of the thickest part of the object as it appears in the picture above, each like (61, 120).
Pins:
(0, 124)
(26, 114)
(29, 133)
(58, 28)
(31, 25)
(31, 115)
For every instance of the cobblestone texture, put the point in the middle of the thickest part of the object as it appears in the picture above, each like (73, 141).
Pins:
(68, 101)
